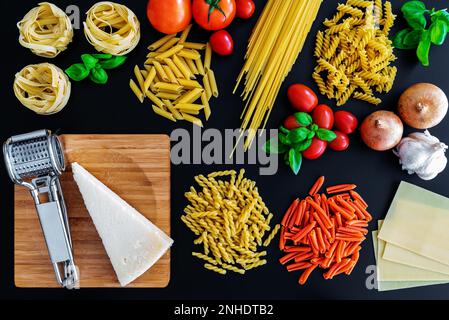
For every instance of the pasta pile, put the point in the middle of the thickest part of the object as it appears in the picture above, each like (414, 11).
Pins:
(112, 28)
(230, 219)
(354, 53)
(46, 30)
(43, 88)
(273, 48)
(170, 78)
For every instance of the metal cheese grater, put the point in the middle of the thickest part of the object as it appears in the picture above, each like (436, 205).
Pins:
(36, 160)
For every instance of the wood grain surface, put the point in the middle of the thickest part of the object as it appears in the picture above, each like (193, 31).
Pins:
(137, 168)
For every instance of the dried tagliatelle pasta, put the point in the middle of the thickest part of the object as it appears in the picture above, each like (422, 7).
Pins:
(354, 54)
(230, 220)
(43, 88)
(46, 30)
(112, 28)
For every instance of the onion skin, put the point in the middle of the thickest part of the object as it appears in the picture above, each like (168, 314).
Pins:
(382, 130)
(423, 106)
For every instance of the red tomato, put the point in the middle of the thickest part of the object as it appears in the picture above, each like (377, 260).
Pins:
(216, 20)
(302, 97)
(316, 149)
(169, 16)
(345, 121)
(222, 43)
(291, 123)
(341, 143)
(245, 8)
(323, 117)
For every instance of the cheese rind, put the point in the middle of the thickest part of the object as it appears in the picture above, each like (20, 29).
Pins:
(133, 243)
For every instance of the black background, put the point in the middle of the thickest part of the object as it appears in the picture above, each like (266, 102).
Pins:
(114, 109)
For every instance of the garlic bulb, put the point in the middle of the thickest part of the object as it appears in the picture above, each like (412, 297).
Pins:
(423, 154)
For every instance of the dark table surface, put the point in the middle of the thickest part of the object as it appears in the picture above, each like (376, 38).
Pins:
(114, 109)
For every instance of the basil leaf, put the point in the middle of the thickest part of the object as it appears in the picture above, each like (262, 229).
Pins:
(102, 56)
(441, 15)
(417, 21)
(303, 146)
(283, 138)
(411, 40)
(438, 32)
(326, 135)
(77, 72)
(98, 75)
(113, 62)
(303, 118)
(311, 135)
(412, 7)
(273, 146)
(298, 135)
(314, 127)
(399, 39)
(423, 48)
(284, 130)
(414, 14)
(89, 61)
(295, 160)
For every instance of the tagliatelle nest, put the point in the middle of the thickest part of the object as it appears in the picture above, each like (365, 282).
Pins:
(46, 30)
(43, 88)
(112, 28)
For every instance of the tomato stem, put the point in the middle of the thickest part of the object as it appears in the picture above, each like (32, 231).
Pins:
(214, 4)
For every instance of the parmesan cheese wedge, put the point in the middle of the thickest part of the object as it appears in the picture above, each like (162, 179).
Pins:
(132, 242)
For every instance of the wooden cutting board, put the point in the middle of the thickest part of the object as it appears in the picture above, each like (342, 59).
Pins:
(137, 168)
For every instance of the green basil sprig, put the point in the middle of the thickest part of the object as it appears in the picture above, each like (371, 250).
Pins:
(94, 66)
(291, 143)
(420, 35)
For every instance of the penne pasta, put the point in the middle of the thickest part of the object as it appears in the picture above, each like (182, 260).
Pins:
(150, 78)
(200, 67)
(205, 102)
(170, 74)
(172, 109)
(139, 77)
(172, 51)
(170, 43)
(207, 57)
(212, 82)
(160, 71)
(192, 119)
(168, 87)
(207, 87)
(189, 54)
(167, 96)
(189, 84)
(182, 67)
(194, 45)
(163, 113)
(191, 64)
(190, 96)
(159, 43)
(169, 62)
(155, 99)
(136, 90)
(185, 34)
(189, 106)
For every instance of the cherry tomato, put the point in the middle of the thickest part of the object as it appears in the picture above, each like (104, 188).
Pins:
(323, 116)
(291, 123)
(222, 43)
(169, 16)
(341, 143)
(345, 121)
(245, 8)
(223, 12)
(316, 149)
(302, 98)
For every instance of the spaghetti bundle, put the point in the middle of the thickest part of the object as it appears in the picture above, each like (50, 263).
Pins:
(274, 46)
(43, 88)
(46, 30)
(230, 220)
(112, 28)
